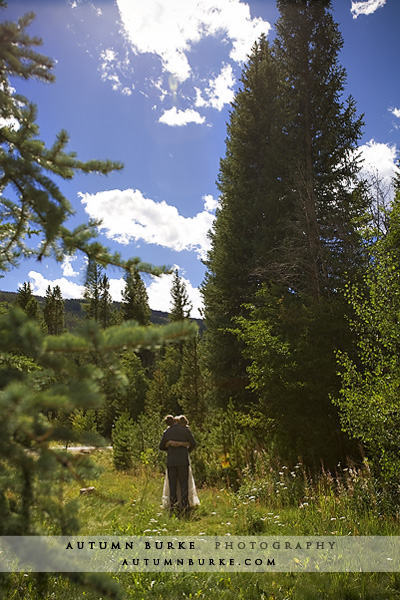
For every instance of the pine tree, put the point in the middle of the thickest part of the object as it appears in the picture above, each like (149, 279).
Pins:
(181, 305)
(24, 295)
(98, 304)
(105, 302)
(322, 133)
(29, 304)
(247, 231)
(122, 439)
(135, 301)
(288, 224)
(164, 393)
(27, 165)
(54, 311)
(191, 383)
(49, 376)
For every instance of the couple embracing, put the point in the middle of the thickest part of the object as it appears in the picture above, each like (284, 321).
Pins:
(179, 488)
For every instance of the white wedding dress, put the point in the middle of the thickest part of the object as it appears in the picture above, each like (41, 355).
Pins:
(192, 496)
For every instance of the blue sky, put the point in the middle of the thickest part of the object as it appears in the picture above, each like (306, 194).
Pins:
(149, 83)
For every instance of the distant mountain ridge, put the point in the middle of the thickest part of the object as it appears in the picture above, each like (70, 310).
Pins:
(75, 314)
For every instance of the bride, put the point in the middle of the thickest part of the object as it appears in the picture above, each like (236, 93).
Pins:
(192, 493)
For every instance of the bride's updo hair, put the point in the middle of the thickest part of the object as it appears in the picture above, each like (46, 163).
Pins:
(182, 420)
(170, 420)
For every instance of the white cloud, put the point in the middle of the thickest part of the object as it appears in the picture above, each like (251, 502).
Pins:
(220, 90)
(395, 112)
(210, 204)
(170, 29)
(116, 288)
(177, 118)
(68, 288)
(11, 122)
(380, 158)
(164, 34)
(366, 7)
(112, 68)
(67, 267)
(127, 215)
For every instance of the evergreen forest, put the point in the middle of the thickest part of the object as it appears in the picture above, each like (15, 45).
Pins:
(296, 359)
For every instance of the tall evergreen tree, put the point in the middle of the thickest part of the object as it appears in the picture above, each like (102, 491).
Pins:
(98, 304)
(54, 311)
(135, 301)
(24, 295)
(288, 221)
(181, 305)
(29, 304)
(105, 302)
(321, 136)
(247, 228)
(191, 383)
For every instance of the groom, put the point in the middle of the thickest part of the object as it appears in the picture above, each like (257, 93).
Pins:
(177, 441)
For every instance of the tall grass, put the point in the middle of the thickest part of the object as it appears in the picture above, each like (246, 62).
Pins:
(269, 499)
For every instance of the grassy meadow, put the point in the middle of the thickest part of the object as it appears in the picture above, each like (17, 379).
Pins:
(274, 501)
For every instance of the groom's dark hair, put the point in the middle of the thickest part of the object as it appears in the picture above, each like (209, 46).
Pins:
(170, 420)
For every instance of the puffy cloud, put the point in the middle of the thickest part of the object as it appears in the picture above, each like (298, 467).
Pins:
(127, 215)
(67, 267)
(177, 118)
(116, 288)
(164, 35)
(170, 29)
(68, 288)
(380, 158)
(210, 204)
(366, 7)
(220, 90)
